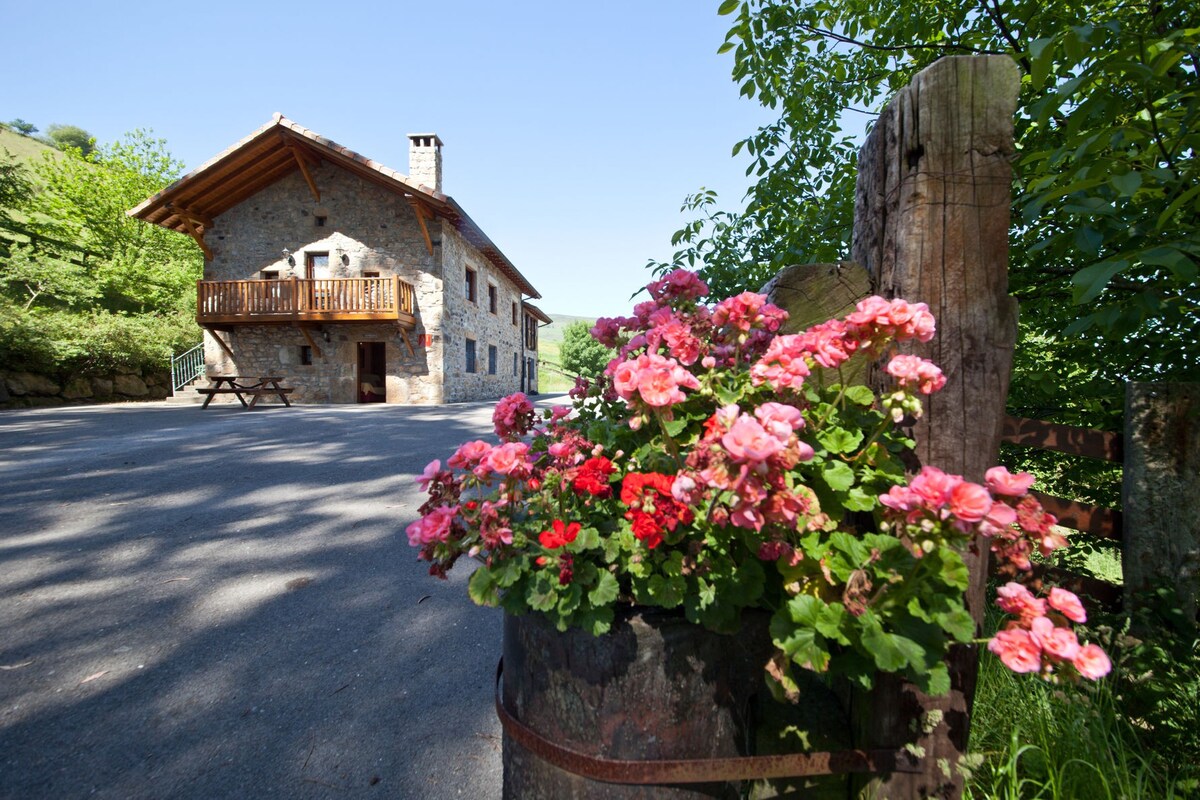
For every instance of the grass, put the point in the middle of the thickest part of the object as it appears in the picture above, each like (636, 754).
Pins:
(1132, 736)
(550, 380)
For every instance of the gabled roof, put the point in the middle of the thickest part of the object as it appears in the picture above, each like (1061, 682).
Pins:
(277, 149)
(536, 313)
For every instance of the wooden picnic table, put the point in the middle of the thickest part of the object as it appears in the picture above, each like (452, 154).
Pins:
(242, 385)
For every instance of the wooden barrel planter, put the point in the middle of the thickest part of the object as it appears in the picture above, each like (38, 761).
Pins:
(655, 688)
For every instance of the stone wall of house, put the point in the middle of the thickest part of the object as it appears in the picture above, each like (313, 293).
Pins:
(332, 377)
(464, 320)
(30, 390)
(363, 228)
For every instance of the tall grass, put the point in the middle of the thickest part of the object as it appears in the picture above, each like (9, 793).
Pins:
(1041, 741)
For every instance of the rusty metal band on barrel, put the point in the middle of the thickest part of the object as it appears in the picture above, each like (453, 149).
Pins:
(707, 770)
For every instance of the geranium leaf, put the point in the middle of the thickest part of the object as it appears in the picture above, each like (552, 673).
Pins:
(957, 623)
(838, 475)
(860, 395)
(482, 587)
(587, 539)
(542, 594)
(840, 440)
(606, 590)
(936, 681)
(507, 572)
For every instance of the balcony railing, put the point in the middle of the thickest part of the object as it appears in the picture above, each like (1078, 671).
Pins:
(297, 300)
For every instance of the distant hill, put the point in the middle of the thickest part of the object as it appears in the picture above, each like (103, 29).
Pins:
(549, 340)
(27, 149)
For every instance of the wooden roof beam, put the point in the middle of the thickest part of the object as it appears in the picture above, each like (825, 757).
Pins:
(194, 216)
(302, 162)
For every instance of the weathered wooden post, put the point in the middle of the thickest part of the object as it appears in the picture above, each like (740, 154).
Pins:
(931, 225)
(1160, 494)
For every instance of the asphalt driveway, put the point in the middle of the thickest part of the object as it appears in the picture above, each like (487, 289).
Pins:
(222, 603)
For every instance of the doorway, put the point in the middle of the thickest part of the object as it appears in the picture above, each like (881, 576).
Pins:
(372, 387)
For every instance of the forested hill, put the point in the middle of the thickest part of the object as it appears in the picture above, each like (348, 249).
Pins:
(84, 289)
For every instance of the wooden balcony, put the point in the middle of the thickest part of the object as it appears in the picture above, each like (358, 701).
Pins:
(296, 300)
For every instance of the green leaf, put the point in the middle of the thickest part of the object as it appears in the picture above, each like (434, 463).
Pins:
(1090, 281)
(543, 593)
(838, 475)
(936, 681)
(840, 440)
(858, 500)
(1126, 184)
(957, 623)
(570, 599)
(482, 587)
(605, 591)
(728, 7)
(675, 426)
(892, 653)
(507, 572)
(665, 592)
(587, 539)
(860, 395)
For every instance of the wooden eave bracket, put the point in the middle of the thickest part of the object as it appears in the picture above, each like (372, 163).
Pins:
(191, 230)
(407, 343)
(311, 342)
(213, 332)
(421, 212)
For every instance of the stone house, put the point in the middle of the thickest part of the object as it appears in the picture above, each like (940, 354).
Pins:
(351, 281)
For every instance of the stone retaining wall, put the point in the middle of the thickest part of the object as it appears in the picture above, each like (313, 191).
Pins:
(29, 390)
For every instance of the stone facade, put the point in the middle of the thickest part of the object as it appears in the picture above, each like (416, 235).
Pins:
(365, 228)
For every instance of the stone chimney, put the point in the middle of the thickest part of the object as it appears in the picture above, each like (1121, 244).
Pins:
(425, 159)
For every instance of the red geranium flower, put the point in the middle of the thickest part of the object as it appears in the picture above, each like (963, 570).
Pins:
(562, 534)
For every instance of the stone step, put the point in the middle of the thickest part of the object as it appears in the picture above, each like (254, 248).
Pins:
(186, 395)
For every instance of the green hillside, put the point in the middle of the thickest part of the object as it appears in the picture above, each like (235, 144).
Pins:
(550, 337)
(27, 150)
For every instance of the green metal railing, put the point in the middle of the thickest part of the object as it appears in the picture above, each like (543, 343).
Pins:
(186, 367)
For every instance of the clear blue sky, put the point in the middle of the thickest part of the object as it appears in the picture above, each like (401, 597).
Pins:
(573, 131)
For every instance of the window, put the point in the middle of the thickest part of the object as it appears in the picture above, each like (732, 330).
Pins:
(514, 313)
(493, 299)
(370, 273)
(306, 355)
(491, 359)
(470, 355)
(270, 274)
(514, 363)
(320, 220)
(471, 285)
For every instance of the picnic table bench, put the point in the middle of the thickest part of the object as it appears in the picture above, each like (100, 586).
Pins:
(244, 385)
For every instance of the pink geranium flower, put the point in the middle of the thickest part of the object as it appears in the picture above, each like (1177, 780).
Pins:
(970, 502)
(1001, 481)
(748, 441)
(509, 458)
(1015, 599)
(431, 471)
(469, 454)
(1067, 603)
(1059, 643)
(1091, 662)
(1017, 650)
(912, 372)
(433, 527)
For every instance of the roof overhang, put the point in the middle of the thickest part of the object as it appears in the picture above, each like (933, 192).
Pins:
(279, 148)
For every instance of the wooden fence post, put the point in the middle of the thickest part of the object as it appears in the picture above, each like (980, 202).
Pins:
(1160, 493)
(931, 225)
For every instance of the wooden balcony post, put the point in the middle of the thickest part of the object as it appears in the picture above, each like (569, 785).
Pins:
(297, 302)
(396, 300)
